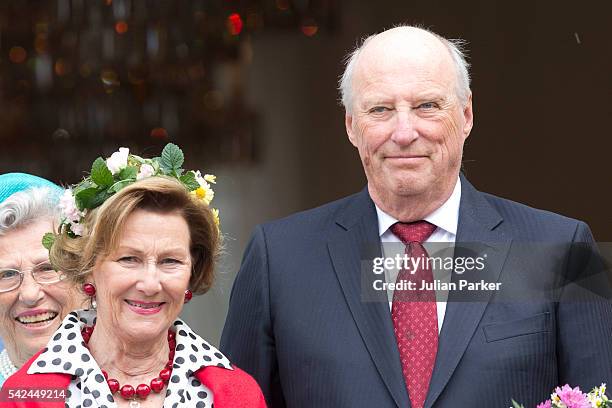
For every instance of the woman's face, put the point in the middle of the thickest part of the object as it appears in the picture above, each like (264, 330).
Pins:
(140, 286)
(32, 312)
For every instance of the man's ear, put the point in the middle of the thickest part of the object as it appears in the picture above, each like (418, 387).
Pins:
(468, 117)
(348, 123)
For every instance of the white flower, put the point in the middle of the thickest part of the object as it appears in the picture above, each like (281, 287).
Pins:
(118, 160)
(597, 397)
(209, 194)
(203, 181)
(67, 205)
(146, 170)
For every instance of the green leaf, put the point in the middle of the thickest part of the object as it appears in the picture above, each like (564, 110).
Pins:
(128, 173)
(85, 184)
(100, 174)
(189, 180)
(48, 240)
(85, 198)
(155, 163)
(90, 198)
(516, 404)
(172, 158)
(118, 186)
(100, 198)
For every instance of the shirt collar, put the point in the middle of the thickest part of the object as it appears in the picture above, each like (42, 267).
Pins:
(445, 217)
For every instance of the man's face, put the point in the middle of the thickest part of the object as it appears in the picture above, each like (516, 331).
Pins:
(406, 119)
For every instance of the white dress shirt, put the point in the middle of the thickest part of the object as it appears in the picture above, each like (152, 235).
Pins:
(445, 218)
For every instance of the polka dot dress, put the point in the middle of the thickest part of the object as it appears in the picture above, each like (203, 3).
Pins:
(66, 353)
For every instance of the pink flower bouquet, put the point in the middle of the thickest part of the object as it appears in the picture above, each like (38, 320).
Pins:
(568, 397)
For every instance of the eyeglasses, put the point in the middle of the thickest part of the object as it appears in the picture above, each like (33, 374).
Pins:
(43, 273)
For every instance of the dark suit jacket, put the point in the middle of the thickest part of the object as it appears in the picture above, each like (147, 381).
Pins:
(302, 323)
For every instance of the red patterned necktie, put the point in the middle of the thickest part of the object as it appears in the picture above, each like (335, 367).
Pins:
(414, 313)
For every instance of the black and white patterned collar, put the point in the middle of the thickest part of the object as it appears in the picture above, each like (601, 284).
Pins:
(66, 353)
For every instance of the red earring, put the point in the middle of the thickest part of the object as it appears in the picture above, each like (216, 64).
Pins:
(89, 289)
(188, 296)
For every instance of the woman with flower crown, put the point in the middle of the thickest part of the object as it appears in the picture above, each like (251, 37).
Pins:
(140, 239)
(33, 296)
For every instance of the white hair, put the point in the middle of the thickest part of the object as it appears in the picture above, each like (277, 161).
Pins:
(456, 48)
(27, 206)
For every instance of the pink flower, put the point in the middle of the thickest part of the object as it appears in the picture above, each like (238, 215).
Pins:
(68, 206)
(572, 397)
(545, 404)
(76, 228)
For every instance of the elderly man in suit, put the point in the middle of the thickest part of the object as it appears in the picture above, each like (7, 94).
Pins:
(306, 321)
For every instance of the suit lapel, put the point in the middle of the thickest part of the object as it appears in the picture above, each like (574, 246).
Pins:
(352, 242)
(476, 228)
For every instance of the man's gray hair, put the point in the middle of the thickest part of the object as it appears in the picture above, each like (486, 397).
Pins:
(27, 206)
(456, 48)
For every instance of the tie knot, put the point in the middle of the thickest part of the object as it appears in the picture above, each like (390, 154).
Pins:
(417, 231)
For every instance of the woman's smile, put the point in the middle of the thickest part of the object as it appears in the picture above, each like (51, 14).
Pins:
(144, 308)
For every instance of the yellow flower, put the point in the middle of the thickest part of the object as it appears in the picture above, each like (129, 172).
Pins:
(215, 213)
(210, 178)
(199, 192)
(204, 193)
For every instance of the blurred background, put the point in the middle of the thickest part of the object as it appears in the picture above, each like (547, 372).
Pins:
(248, 89)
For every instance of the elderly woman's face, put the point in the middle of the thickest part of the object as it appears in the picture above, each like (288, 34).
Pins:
(140, 286)
(31, 312)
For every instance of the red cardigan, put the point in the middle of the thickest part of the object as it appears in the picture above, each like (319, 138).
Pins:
(230, 388)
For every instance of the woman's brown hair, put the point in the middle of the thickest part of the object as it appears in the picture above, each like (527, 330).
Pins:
(76, 257)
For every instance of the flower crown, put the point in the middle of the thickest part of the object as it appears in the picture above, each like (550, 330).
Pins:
(109, 176)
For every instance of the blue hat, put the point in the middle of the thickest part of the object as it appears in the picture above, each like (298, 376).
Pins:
(11, 183)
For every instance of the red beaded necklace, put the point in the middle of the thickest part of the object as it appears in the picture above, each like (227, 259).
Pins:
(142, 390)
